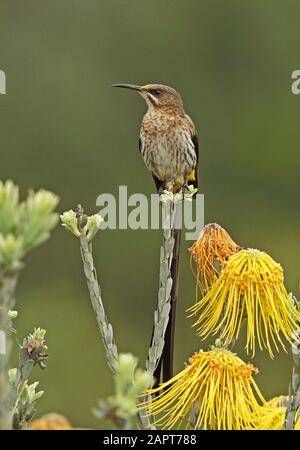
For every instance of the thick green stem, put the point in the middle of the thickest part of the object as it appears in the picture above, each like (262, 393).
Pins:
(292, 410)
(8, 282)
(162, 312)
(161, 315)
(105, 327)
(95, 296)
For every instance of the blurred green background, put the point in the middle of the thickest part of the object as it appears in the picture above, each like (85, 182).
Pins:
(64, 129)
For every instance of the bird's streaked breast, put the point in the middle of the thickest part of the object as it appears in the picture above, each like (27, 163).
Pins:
(167, 146)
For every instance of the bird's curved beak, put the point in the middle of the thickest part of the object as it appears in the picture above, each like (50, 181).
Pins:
(128, 86)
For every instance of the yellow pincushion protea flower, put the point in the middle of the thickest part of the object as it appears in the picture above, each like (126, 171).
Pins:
(279, 401)
(210, 251)
(250, 285)
(272, 415)
(297, 425)
(270, 418)
(217, 385)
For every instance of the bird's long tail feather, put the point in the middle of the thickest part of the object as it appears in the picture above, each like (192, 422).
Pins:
(165, 366)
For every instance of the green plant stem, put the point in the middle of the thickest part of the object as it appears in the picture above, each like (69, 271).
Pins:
(162, 312)
(161, 315)
(8, 282)
(105, 327)
(22, 377)
(294, 390)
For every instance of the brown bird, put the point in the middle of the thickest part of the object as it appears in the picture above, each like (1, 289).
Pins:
(168, 138)
(169, 146)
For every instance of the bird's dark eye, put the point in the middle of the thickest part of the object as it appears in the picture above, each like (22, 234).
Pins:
(155, 91)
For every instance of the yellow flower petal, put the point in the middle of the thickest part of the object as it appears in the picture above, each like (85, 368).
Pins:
(217, 385)
(212, 249)
(249, 285)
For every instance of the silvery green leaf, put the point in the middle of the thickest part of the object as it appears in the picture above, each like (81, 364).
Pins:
(167, 232)
(169, 246)
(24, 355)
(166, 310)
(295, 381)
(27, 368)
(151, 353)
(169, 287)
(289, 421)
(18, 376)
(162, 254)
(164, 271)
(160, 347)
(96, 290)
(13, 394)
(161, 294)
(157, 332)
(114, 351)
(296, 357)
(24, 399)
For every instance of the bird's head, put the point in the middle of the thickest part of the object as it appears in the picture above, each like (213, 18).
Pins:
(156, 95)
